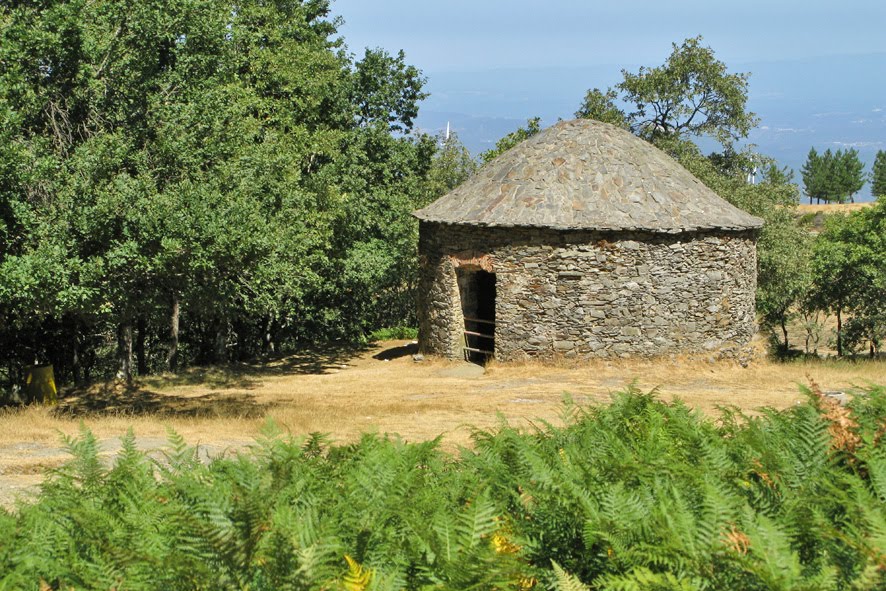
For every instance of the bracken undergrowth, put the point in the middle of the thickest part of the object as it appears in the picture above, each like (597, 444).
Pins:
(635, 495)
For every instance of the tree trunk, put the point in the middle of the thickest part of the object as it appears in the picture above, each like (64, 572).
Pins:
(240, 346)
(784, 330)
(221, 341)
(124, 350)
(140, 346)
(172, 353)
(268, 338)
(839, 332)
(75, 360)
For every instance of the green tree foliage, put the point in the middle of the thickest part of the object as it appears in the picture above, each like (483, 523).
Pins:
(815, 177)
(784, 275)
(775, 175)
(833, 176)
(784, 270)
(601, 106)
(533, 126)
(691, 94)
(850, 174)
(878, 174)
(634, 495)
(849, 276)
(386, 90)
(198, 182)
(452, 165)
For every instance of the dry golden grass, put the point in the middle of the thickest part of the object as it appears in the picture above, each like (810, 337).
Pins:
(346, 396)
(383, 390)
(828, 208)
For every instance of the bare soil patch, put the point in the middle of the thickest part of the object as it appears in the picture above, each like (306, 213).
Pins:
(381, 389)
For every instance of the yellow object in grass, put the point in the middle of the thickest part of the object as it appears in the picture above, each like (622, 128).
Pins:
(40, 384)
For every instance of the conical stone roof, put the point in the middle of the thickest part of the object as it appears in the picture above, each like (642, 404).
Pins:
(587, 175)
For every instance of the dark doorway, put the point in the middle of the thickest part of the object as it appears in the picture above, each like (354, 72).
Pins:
(477, 291)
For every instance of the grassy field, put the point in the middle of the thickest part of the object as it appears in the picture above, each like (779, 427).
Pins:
(381, 389)
(345, 393)
(827, 208)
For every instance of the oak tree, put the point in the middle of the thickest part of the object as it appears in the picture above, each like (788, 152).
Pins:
(691, 94)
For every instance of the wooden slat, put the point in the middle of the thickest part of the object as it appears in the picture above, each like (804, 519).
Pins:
(480, 334)
(492, 322)
(479, 350)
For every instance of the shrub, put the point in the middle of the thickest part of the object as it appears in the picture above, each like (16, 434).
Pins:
(637, 494)
(394, 333)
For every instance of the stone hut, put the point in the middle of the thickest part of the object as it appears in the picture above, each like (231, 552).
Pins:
(584, 240)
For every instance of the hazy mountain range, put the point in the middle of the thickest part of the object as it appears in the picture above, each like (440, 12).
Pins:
(827, 102)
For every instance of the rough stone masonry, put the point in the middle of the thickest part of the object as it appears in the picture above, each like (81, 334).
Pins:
(591, 293)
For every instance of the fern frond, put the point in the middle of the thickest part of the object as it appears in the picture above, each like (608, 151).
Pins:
(643, 579)
(85, 468)
(565, 581)
(358, 578)
(476, 523)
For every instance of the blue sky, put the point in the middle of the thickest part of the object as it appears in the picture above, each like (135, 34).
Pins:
(818, 69)
(481, 34)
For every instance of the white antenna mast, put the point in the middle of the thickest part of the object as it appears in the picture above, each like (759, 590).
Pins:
(752, 174)
(447, 131)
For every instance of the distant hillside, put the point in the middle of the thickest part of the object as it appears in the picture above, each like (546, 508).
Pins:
(830, 102)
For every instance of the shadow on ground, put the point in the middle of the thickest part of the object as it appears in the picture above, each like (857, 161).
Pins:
(396, 352)
(114, 399)
(313, 362)
(228, 385)
(248, 375)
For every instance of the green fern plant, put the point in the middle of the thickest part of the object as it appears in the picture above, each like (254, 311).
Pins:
(638, 494)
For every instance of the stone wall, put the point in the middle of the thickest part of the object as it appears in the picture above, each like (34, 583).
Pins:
(591, 293)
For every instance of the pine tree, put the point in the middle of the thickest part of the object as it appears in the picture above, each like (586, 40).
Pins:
(814, 176)
(849, 177)
(878, 174)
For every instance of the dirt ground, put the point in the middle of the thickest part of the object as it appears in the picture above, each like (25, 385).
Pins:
(382, 389)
